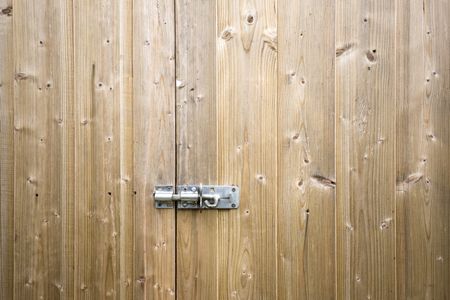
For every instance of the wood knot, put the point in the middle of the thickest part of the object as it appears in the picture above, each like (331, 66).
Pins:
(7, 11)
(345, 49)
(21, 76)
(180, 84)
(270, 38)
(370, 56)
(323, 181)
(250, 19)
(141, 280)
(385, 224)
(261, 178)
(227, 34)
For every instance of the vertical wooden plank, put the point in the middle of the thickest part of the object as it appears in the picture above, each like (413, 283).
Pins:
(102, 56)
(6, 151)
(43, 104)
(247, 147)
(124, 50)
(306, 173)
(423, 147)
(365, 144)
(196, 145)
(154, 146)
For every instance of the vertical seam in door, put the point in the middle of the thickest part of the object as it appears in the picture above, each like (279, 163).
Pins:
(131, 23)
(14, 153)
(336, 194)
(395, 146)
(217, 175)
(277, 159)
(175, 143)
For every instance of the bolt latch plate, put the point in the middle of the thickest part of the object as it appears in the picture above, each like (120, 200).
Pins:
(197, 196)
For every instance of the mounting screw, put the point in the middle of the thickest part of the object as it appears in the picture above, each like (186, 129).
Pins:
(193, 188)
(233, 190)
(184, 204)
(233, 205)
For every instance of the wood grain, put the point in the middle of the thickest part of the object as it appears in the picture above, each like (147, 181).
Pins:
(247, 147)
(331, 116)
(43, 160)
(103, 216)
(124, 153)
(306, 171)
(197, 251)
(154, 146)
(423, 147)
(6, 151)
(365, 145)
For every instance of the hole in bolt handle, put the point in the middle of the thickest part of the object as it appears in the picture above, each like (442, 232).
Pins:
(207, 197)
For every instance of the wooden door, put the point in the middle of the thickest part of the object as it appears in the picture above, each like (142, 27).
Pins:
(330, 115)
(243, 118)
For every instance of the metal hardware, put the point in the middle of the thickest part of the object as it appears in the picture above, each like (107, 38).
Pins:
(197, 196)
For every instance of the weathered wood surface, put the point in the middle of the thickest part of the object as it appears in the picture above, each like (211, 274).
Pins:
(44, 148)
(196, 145)
(332, 117)
(247, 147)
(6, 151)
(423, 150)
(306, 167)
(365, 149)
(154, 147)
(103, 214)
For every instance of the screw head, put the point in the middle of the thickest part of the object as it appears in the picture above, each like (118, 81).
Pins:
(184, 204)
(233, 205)
(193, 188)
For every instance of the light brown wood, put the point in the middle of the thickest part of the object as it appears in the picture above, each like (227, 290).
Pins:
(306, 171)
(6, 151)
(365, 145)
(197, 251)
(43, 157)
(154, 146)
(423, 147)
(104, 214)
(331, 116)
(247, 147)
(124, 154)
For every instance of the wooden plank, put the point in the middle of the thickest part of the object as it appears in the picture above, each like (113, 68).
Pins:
(6, 151)
(104, 208)
(196, 145)
(365, 145)
(124, 50)
(306, 171)
(247, 147)
(423, 146)
(43, 104)
(154, 146)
